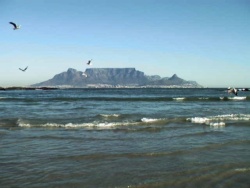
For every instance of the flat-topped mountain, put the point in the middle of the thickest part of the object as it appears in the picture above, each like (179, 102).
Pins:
(113, 77)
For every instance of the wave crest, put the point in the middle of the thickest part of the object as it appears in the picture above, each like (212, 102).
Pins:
(219, 120)
(148, 120)
(110, 115)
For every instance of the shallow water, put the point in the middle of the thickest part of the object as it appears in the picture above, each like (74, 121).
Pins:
(124, 138)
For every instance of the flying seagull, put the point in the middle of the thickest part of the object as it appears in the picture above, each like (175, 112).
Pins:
(89, 62)
(232, 90)
(235, 91)
(15, 25)
(84, 74)
(23, 69)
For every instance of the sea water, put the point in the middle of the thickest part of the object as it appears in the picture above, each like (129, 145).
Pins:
(121, 138)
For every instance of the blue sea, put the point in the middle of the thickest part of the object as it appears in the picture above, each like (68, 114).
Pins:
(124, 138)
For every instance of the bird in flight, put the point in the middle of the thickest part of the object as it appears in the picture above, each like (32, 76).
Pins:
(15, 26)
(84, 74)
(232, 90)
(235, 91)
(23, 69)
(89, 62)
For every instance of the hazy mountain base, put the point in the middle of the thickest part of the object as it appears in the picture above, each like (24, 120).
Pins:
(114, 77)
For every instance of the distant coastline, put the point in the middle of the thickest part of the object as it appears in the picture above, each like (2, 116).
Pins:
(92, 86)
(27, 88)
(107, 78)
(114, 78)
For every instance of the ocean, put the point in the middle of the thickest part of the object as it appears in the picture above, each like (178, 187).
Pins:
(124, 138)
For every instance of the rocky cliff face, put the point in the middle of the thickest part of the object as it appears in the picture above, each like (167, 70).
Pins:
(71, 77)
(113, 76)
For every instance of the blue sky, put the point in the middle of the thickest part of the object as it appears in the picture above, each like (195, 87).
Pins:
(202, 40)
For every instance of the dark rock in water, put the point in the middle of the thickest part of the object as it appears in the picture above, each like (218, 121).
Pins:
(114, 77)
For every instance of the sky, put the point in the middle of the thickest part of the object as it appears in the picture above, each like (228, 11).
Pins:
(207, 41)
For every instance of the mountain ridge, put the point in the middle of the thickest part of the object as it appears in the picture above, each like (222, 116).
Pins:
(114, 77)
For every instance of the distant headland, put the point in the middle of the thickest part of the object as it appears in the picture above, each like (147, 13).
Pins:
(27, 88)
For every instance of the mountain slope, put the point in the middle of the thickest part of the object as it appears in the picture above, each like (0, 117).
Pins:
(113, 77)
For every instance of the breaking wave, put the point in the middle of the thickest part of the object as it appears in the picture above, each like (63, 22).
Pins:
(95, 124)
(148, 120)
(179, 98)
(110, 115)
(233, 98)
(242, 169)
(112, 121)
(219, 120)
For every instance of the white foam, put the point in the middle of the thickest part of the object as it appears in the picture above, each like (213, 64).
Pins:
(232, 117)
(99, 125)
(90, 125)
(207, 121)
(24, 125)
(94, 125)
(179, 98)
(199, 120)
(217, 124)
(21, 123)
(237, 98)
(219, 119)
(148, 120)
(242, 169)
(110, 115)
(81, 125)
